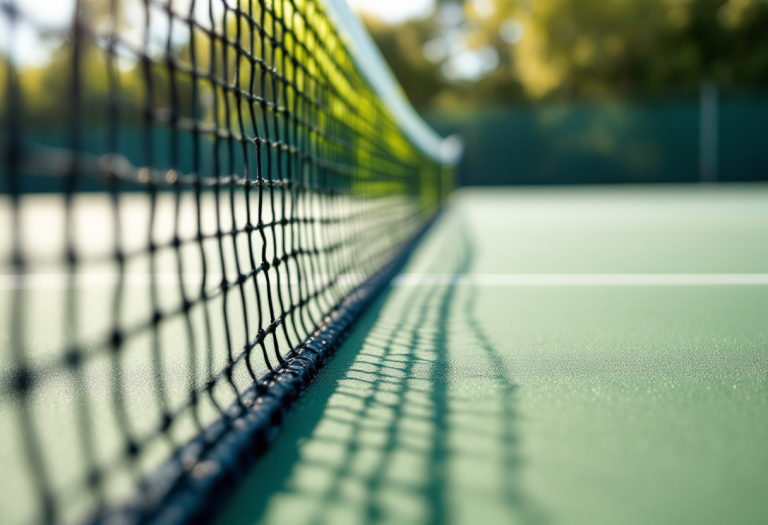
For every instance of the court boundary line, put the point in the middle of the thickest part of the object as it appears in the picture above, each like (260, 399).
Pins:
(59, 280)
(47, 281)
(582, 279)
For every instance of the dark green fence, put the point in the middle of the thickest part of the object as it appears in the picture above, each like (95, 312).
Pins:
(616, 142)
(548, 144)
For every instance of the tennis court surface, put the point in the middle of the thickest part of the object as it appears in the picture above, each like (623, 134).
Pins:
(237, 286)
(586, 355)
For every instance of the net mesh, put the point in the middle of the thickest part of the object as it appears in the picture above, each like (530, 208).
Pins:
(195, 198)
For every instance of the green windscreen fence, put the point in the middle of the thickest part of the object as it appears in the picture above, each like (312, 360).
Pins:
(611, 142)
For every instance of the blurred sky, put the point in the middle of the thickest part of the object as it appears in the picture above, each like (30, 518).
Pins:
(387, 10)
(53, 12)
(393, 11)
(460, 63)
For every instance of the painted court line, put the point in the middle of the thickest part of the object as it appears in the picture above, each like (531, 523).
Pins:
(582, 279)
(54, 281)
(49, 281)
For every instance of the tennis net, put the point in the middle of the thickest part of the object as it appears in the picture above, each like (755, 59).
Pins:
(197, 199)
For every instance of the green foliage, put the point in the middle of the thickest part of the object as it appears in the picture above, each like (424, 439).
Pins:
(579, 49)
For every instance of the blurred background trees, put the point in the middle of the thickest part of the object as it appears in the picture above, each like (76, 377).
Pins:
(496, 52)
(542, 91)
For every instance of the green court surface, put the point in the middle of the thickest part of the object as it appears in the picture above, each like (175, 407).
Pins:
(564, 355)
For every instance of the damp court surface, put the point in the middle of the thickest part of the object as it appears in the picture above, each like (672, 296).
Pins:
(509, 376)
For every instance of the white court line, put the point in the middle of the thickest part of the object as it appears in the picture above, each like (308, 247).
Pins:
(44, 281)
(582, 279)
(53, 281)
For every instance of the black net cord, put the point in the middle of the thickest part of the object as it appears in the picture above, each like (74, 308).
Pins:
(22, 380)
(275, 190)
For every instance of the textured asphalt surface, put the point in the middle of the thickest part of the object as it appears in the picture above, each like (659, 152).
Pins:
(485, 402)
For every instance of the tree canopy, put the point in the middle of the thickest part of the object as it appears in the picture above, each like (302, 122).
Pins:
(486, 52)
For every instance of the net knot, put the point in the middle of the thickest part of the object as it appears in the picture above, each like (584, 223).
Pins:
(131, 448)
(71, 256)
(22, 381)
(116, 339)
(73, 358)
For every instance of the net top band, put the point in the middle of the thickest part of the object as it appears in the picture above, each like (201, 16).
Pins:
(376, 71)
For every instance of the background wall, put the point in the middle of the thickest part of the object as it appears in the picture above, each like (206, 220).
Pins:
(608, 142)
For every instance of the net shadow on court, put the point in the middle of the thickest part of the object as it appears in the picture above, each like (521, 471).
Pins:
(229, 184)
(387, 435)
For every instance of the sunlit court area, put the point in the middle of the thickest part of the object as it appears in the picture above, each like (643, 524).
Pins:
(352, 262)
